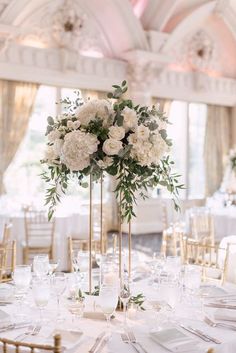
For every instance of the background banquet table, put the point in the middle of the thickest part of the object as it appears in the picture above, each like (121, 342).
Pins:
(71, 224)
(141, 325)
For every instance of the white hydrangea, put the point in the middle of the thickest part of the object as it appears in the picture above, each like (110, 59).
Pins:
(130, 119)
(149, 152)
(77, 149)
(53, 135)
(69, 124)
(112, 147)
(106, 162)
(96, 108)
(142, 132)
(116, 132)
(57, 146)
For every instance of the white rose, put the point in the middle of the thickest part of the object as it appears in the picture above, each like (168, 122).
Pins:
(58, 143)
(106, 162)
(50, 154)
(116, 132)
(76, 124)
(142, 132)
(132, 139)
(112, 147)
(53, 135)
(69, 124)
(130, 119)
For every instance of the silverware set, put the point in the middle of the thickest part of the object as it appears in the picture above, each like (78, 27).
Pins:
(31, 331)
(205, 337)
(211, 323)
(99, 343)
(129, 338)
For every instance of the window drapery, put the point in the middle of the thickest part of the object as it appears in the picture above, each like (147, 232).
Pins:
(16, 103)
(217, 145)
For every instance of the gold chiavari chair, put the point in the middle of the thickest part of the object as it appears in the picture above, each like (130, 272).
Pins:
(6, 233)
(214, 267)
(7, 261)
(171, 240)
(201, 225)
(32, 347)
(80, 244)
(39, 234)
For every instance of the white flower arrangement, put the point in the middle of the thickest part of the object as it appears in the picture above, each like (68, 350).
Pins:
(116, 137)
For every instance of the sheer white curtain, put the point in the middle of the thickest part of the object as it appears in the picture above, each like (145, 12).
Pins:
(217, 145)
(16, 103)
(164, 104)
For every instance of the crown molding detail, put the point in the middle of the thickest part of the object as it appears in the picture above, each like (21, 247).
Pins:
(61, 67)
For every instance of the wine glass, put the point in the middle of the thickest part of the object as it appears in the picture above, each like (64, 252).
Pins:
(159, 262)
(41, 265)
(53, 265)
(125, 295)
(59, 284)
(22, 278)
(41, 295)
(108, 299)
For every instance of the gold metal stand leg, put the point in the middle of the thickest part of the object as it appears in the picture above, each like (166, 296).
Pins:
(130, 249)
(90, 231)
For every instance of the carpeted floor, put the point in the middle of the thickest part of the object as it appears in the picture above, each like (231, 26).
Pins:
(146, 243)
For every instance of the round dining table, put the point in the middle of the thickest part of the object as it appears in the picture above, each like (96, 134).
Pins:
(79, 335)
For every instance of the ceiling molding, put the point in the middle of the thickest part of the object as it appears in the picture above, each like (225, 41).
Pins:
(190, 23)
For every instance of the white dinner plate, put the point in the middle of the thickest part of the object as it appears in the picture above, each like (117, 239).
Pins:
(210, 290)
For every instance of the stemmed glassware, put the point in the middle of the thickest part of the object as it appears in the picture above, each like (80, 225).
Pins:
(53, 265)
(157, 264)
(59, 284)
(22, 278)
(108, 299)
(125, 294)
(41, 295)
(41, 265)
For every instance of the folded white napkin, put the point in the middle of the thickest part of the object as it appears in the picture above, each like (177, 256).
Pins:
(4, 318)
(69, 338)
(174, 340)
(225, 314)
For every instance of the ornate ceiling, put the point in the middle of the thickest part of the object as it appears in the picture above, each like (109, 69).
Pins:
(170, 37)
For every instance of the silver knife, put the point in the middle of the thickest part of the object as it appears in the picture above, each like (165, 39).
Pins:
(102, 345)
(220, 306)
(193, 331)
(97, 341)
(213, 339)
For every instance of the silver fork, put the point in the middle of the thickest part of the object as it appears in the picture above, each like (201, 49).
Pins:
(32, 331)
(29, 330)
(126, 339)
(134, 341)
(218, 324)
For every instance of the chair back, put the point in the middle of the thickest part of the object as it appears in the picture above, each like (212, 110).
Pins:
(201, 225)
(212, 258)
(11, 346)
(171, 240)
(6, 233)
(75, 245)
(37, 226)
(7, 261)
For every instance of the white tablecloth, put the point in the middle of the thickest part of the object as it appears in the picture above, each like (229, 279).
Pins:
(141, 326)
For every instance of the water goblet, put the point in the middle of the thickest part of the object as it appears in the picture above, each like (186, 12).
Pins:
(41, 295)
(53, 265)
(41, 265)
(59, 283)
(108, 299)
(22, 278)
